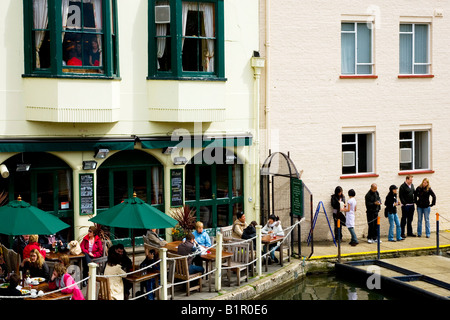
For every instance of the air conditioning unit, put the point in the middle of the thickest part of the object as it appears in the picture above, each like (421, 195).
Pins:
(405, 155)
(348, 159)
(162, 14)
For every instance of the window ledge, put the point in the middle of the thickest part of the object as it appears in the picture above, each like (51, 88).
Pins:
(357, 76)
(404, 173)
(368, 175)
(407, 76)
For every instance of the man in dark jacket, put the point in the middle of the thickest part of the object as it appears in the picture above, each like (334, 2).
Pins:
(373, 205)
(406, 194)
(187, 248)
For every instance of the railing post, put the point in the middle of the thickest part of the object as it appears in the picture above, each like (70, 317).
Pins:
(338, 236)
(378, 238)
(218, 262)
(437, 233)
(92, 281)
(163, 273)
(258, 251)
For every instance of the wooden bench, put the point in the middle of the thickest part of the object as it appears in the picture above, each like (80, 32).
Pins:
(182, 272)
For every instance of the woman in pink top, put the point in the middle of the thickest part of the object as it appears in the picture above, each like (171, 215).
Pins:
(61, 279)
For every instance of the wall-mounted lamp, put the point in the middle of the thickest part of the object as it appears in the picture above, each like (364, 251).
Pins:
(168, 150)
(89, 165)
(22, 167)
(179, 161)
(230, 159)
(4, 171)
(101, 153)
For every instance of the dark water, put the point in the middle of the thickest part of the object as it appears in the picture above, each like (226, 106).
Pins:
(325, 287)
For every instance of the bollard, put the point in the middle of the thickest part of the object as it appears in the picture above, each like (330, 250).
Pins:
(163, 273)
(339, 239)
(437, 233)
(218, 275)
(258, 251)
(378, 238)
(92, 281)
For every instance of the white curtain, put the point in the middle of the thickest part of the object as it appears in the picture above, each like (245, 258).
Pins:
(208, 20)
(98, 25)
(155, 184)
(161, 32)
(40, 19)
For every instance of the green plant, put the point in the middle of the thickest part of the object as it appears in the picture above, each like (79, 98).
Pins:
(186, 221)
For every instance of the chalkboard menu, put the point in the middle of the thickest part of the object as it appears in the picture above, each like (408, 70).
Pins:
(296, 197)
(86, 193)
(176, 187)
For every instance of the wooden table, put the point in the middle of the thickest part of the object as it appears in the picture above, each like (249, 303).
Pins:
(52, 296)
(267, 240)
(137, 278)
(209, 257)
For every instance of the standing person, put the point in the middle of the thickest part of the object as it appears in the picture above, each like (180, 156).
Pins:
(350, 216)
(373, 206)
(338, 202)
(406, 194)
(94, 54)
(422, 200)
(391, 204)
(239, 225)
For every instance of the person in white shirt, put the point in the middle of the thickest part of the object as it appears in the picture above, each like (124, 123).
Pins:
(350, 208)
(273, 227)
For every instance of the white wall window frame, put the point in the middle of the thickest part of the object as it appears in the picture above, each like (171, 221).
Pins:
(413, 56)
(369, 153)
(417, 156)
(356, 63)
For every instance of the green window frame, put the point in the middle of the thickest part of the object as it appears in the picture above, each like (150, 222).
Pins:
(62, 29)
(191, 45)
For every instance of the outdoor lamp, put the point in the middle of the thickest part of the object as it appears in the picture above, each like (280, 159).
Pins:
(4, 171)
(179, 161)
(101, 153)
(22, 167)
(89, 165)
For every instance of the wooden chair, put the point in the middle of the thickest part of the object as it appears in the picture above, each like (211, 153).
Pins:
(227, 233)
(239, 260)
(171, 277)
(182, 273)
(103, 288)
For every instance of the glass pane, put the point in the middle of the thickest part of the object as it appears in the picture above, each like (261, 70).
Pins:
(94, 45)
(404, 135)
(237, 180)
(421, 43)
(347, 27)
(366, 69)
(42, 40)
(120, 186)
(140, 184)
(222, 181)
(163, 47)
(421, 150)
(222, 215)
(74, 49)
(349, 138)
(237, 207)
(348, 53)
(364, 43)
(102, 188)
(205, 182)
(45, 191)
(364, 153)
(405, 53)
(157, 185)
(22, 186)
(65, 189)
(190, 182)
(406, 28)
(206, 216)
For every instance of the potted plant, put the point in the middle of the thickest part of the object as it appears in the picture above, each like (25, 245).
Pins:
(186, 221)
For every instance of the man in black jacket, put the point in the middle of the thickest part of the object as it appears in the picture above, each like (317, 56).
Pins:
(373, 206)
(406, 194)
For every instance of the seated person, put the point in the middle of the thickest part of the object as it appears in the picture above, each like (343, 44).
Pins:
(36, 265)
(273, 227)
(239, 225)
(52, 240)
(3, 267)
(61, 279)
(94, 54)
(151, 256)
(126, 264)
(201, 237)
(113, 268)
(33, 244)
(186, 248)
(154, 239)
(250, 232)
(92, 247)
(74, 60)
(20, 242)
(11, 290)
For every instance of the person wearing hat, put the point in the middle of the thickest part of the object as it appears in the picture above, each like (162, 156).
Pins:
(391, 204)
(239, 225)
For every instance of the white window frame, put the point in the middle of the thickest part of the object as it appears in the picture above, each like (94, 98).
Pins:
(412, 32)
(370, 153)
(414, 151)
(355, 31)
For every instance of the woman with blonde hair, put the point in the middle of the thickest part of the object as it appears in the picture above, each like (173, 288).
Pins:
(422, 200)
(35, 265)
(61, 279)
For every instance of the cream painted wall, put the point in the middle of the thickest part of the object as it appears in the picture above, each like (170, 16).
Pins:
(310, 106)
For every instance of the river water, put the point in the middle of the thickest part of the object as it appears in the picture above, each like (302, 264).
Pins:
(325, 287)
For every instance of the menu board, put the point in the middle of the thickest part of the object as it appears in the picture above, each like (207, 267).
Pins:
(176, 187)
(296, 197)
(86, 194)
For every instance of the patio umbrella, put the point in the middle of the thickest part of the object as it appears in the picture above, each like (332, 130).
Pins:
(134, 213)
(19, 217)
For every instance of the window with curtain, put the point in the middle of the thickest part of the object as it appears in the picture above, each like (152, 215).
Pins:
(414, 48)
(414, 153)
(356, 48)
(190, 42)
(80, 40)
